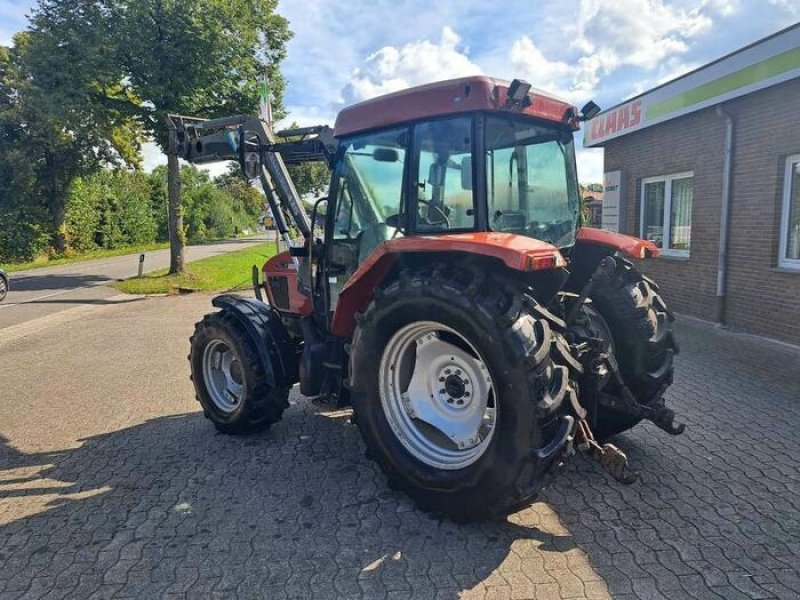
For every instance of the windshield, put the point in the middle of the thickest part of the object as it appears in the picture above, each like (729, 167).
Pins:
(532, 187)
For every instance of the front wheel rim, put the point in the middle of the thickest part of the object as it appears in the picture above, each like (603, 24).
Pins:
(222, 373)
(438, 395)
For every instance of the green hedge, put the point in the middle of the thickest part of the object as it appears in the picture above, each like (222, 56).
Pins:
(119, 208)
(25, 233)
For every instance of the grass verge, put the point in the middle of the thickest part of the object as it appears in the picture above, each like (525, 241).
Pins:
(43, 261)
(223, 272)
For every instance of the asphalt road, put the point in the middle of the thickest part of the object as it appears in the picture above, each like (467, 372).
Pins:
(41, 292)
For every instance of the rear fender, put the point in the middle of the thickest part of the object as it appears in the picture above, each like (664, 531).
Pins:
(518, 253)
(264, 327)
(593, 245)
(629, 246)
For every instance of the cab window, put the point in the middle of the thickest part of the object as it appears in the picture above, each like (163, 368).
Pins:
(531, 182)
(370, 189)
(443, 182)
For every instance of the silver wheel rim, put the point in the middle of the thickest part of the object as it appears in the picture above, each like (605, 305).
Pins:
(3, 288)
(223, 376)
(437, 394)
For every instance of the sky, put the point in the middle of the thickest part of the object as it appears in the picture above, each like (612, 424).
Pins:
(606, 51)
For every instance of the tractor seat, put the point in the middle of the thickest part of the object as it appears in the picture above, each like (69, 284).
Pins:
(372, 237)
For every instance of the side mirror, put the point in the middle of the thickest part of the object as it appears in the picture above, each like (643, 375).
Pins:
(436, 174)
(389, 155)
(252, 163)
(466, 173)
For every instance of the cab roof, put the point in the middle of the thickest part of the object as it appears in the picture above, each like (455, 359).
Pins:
(454, 96)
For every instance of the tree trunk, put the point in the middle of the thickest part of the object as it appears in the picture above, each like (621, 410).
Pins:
(177, 239)
(60, 227)
(58, 205)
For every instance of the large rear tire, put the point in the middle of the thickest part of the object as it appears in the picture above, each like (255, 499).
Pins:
(475, 326)
(228, 377)
(643, 341)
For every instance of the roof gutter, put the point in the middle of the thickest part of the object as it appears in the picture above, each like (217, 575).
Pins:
(724, 221)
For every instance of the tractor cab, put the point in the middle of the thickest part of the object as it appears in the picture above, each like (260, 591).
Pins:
(470, 155)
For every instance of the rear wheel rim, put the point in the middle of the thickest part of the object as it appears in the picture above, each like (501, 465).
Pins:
(222, 373)
(438, 395)
(3, 288)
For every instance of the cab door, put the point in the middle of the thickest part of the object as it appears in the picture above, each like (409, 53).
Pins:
(368, 202)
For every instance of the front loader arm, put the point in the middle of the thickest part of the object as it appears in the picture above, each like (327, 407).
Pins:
(252, 143)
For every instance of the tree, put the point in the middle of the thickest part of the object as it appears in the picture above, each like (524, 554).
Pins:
(197, 57)
(310, 178)
(59, 114)
(244, 197)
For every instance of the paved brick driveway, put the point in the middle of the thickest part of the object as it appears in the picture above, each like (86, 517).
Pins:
(112, 485)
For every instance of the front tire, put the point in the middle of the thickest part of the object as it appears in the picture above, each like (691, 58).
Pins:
(479, 326)
(3, 287)
(228, 377)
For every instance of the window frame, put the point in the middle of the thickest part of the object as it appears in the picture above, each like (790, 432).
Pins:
(667, 179)
(784, 261)
(413, 172)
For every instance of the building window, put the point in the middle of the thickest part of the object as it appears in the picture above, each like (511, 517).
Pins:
(789, 255)
(667, 212)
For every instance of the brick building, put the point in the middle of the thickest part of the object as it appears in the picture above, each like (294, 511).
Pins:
(708, 167)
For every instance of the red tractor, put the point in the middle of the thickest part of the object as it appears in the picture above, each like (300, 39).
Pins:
(447, 292)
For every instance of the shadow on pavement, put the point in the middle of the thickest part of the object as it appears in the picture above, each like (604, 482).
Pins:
(35, 283)
(91, 301)
(171, 506)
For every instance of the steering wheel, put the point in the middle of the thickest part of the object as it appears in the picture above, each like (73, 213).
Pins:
(433, 208)
(552, 230)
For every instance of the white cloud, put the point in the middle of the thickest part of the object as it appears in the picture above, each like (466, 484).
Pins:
(392, 68)
(724, 8)
(606, 37)
(530, 63)
(790, 6)
(635, 33)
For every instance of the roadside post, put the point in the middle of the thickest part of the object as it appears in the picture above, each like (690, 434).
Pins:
(141, 265)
